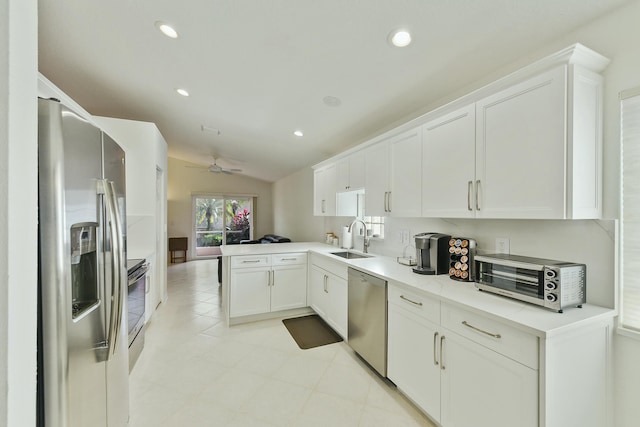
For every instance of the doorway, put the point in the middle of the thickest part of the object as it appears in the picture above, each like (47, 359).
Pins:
(220, 220)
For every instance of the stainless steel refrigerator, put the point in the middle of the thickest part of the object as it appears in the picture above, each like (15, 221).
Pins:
(82, 326)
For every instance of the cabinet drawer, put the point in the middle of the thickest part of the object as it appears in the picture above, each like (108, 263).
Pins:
(497, 336)
(325, 262)
(288, 259)
(249, 261)
(415, 302)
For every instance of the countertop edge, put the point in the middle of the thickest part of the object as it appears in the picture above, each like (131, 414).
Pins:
(529, 318)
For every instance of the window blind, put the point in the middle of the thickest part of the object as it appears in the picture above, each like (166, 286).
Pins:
(630, 209)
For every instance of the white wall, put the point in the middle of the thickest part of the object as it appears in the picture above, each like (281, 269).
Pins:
(18, 211)
(184, 181)
(614, 35)
(293, 208)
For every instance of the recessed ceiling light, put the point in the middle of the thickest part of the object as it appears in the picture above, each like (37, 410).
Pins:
(167, 29)
(400, 38)
(298, 133)
(182, 92)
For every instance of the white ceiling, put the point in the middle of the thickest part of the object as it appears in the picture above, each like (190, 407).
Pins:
(259, 69)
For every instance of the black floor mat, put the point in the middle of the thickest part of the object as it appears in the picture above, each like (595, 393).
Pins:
(311, 331)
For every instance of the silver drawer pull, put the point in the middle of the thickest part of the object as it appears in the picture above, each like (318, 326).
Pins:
(464, 322)
(288, 259)
(435, 339)
(412, 302)
(251, 262)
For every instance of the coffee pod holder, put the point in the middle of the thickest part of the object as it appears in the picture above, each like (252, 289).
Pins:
(462, 252)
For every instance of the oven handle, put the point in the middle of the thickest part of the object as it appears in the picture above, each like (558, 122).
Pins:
(140, 273)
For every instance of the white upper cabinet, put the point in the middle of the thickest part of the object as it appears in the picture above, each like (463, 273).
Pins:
(448, 159)
(393, 175)
(377, 186)
(527, 146)
(521, 146)
(538, 148)
(406, 174)
(350, 172)
(324, 191)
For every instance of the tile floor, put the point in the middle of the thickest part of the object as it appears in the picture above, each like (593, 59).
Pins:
(195, 371)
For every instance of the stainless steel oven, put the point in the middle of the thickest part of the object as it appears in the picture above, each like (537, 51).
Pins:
(137, 271)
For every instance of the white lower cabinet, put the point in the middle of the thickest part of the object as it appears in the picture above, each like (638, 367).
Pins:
(459, 382)
(411, 361)
(482, 388)
(267, 283)
(465, 368)
(328, 295)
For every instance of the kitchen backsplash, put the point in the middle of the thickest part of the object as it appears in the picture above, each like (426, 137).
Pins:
(592, 242)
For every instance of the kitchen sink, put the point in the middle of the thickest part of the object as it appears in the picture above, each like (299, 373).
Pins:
(350, 255)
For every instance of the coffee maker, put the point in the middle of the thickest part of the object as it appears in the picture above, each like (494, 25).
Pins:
(432, 252)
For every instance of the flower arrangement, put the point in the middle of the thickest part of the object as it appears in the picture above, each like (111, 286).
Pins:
(240, 220)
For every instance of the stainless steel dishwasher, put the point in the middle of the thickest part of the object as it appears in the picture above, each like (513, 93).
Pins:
(367, 318)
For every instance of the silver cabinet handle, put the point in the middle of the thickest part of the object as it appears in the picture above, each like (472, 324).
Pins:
(498, 336)
(253, 261)
(411, 301)
(477, 192)
(325, 284)
(385, 201)
(435, 344)
(469, 186)
(389, 202)
(273, 277)
(322, 206)
(441, 352)
(288, 259)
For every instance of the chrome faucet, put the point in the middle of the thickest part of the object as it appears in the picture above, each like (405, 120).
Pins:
(366, 237)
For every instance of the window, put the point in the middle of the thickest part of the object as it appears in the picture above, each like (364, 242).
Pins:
(376, 225)
(630, 209)
(220, 220)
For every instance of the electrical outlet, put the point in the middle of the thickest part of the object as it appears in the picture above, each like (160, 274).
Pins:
(399, 236)
(406, 236)
(502, 245)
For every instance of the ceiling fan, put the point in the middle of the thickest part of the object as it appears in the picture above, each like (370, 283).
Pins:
(215, 168)
(219, 169)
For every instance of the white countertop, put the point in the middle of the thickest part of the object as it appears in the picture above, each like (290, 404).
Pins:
(527, 317)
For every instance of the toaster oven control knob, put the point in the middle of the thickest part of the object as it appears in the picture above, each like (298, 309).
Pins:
(550, 273)
(550, 285)
(551, 297)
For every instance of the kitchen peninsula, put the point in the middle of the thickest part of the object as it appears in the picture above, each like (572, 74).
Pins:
(449, 345)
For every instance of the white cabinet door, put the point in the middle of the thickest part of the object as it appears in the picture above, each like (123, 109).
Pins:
(250, 292)
(317, 295)
(448, 159)
(377, 180)
(482, 388)
(289, 287)
(406, 174)
(342, 175)
(324, 187)
(350, 172)
(412, 360)
(337, 304)
(356, 171)
(521, 149)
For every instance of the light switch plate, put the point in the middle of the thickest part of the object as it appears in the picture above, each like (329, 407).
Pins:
(502, 245)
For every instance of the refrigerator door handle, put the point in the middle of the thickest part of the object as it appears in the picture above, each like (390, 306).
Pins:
(111, 224)
(121, 263)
